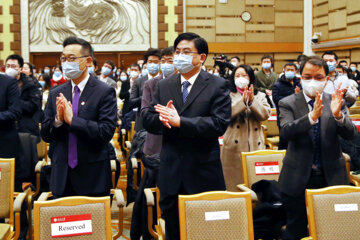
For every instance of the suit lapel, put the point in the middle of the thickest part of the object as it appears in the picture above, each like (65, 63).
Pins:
(68, 91)
(88, 90)
(200, 83)
(175, 88)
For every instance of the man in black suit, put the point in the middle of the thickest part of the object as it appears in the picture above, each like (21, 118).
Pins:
(80, 120)
(191, 110)
(311, 121)
(126, 88)
(152, 61)
(10, 112)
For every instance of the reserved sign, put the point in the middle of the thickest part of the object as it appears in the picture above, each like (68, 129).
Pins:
(267, 168)
(215, 216)
(74, 225)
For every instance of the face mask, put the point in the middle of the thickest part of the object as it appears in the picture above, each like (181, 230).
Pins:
(134, 74)
(331, 66)
(241, 82)
(216, 74)
(123, 78)
(183, 63)
(289, 75)
(12, 72)
(311, 86)
(105, 70)
(42, 84)
(47, 71)
(353, 69)
(128, 73)
(144, 72)
(266, 65)
(167, 69)
(71, 70)
(153, 68)
(234, 64)
(118, 73)
(57, 74)
(91, 70)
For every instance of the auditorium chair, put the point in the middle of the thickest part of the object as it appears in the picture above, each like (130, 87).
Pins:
(354, 110)
(333, 213)
(9, 208)
(136, 163)
(216, 215)
(51, 212)
(252, 163)
(42, 150)
(132, 131)
(159, 232)
(271, 131)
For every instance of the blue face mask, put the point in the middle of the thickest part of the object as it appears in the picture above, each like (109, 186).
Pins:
(167, 69)
(118, 73)
(57, 74)
(331, 66)
(289, 75)
(183, 63)
(42, 84)
(71, 70)
(266, 65)
(91, 70)
(105, 70)
(353, 69)
(47, 71)
(123, 78)
(153, 68)
(144, 72)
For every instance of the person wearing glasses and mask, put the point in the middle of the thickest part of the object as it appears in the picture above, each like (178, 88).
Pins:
(311, 121)
(191, 110)
(80, 120)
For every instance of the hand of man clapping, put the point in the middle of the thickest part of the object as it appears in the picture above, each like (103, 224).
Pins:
(318, 107)
(336, 102)
(64, 109)
(168, 115)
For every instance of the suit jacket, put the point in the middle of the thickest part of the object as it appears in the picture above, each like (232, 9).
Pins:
(109, 81)
(190, 155)
(10, 112)
(135, 99)
(125, 95)
(152, 141)
(94, 127)
(297, 130)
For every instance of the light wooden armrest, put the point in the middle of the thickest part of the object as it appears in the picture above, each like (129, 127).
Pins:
(264, 127)
(134, 163)
(19, 201)
(307, 238)
(128, 144)
(44, 196)
(243, 188)
(149, 197)
(123, 131)
(113, 165)
(162, 226)
(120, 202)
(39, 166)
(346, 157)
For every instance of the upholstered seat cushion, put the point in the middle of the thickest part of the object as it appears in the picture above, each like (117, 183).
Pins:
(5, 231)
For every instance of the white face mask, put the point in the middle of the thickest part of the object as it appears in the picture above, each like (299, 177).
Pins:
(71, 70)
(183, 63)
(242, 82)
(310, 87)
(11, 72)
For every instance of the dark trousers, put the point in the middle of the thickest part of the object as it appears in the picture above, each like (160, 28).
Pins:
(295, 207)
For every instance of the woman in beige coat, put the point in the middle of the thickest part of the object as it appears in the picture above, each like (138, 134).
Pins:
(244, 134)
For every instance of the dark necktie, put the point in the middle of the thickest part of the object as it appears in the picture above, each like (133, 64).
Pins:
(317, 140)
(72, 153)
(185, 93)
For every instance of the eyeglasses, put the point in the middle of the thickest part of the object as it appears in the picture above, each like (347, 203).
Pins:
(177, 52)
(71, 58)
(317, 77)
(11, 65)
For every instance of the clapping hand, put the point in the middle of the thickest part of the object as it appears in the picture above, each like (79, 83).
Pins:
(59, 109)
(168, 115)
(318, 107)
(67, 109)
(297, 89)
(337, 101)
(248, 95)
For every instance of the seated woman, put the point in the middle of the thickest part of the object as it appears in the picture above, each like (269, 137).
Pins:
(244, 134)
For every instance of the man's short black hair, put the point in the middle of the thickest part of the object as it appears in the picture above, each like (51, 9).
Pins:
(111, 63)
(301, 58)
(152, 52)
(87, 50)
(236, 57)
(16, 57)
(267, 57)
(167, 51)
(330, 53)
(290, 64)
(343, 61)
(59, 67)
(199, 42)
(354, 63)
(316, 61)
(136, 65)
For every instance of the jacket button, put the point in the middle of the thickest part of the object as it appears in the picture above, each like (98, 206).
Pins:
(256, 129)
(238, 126)
(236, 141)
(259, 143)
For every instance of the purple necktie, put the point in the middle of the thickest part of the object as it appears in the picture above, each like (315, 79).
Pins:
(72, 154)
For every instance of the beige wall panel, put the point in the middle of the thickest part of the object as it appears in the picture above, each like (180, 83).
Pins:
(289, 5)
(200, 12)
(316, 2)
(288, 19)
(289, 34)
(200, 22)
(254, 58)
(209, 61)
(322, 20)
(355, 55)
(337, 34)
(260, 2)
(337, 20)
(285, 56)
(321, 10)
(200, 2)
(261, 14)
(233, 7)
(353, 30)
(206, 33)
(260, 27)
(279, 65)
(260, 37)
(324, 30)
(353, 6)
(230, 25)
(240, 55)
(343, 53)
(353, 18)
(336, 4)
(238, 39)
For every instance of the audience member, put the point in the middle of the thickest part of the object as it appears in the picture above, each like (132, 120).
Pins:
(45, 82)
(57, 78)
(126, 88)
(266, 78)
(106, 72)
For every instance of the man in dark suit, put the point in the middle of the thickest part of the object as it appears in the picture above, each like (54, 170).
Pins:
(152, 60)
(10, 112)
(126, 87)
(191, 110)
(80, 120)
(311, 121)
